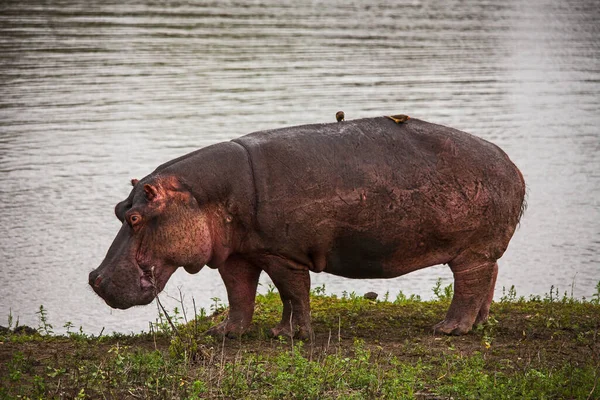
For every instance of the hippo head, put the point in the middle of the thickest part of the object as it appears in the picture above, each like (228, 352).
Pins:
(163, 228)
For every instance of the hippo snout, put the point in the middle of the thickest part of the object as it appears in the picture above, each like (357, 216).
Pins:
(95, 279)
(100, 286)
(121, 286)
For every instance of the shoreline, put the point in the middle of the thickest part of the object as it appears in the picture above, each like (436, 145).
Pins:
(540, 347)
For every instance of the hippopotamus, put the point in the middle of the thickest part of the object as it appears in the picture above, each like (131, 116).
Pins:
(364, 198)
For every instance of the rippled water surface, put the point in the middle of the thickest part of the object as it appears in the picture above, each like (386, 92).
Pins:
(93, 95)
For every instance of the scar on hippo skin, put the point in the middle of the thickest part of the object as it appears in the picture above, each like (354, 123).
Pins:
(228, 219)
(399, 118)
(363, 197)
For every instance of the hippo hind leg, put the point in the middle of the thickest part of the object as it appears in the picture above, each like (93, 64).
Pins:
(484, 311)
(473, 292)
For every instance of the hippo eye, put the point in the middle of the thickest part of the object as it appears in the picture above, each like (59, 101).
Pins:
(134, 219)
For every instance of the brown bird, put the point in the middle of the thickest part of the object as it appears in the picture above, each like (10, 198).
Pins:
(339, 116)
(398, 118)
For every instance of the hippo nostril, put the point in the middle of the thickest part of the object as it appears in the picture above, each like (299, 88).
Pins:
(98, 281)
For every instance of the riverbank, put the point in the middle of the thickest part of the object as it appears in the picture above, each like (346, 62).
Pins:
(541, 347)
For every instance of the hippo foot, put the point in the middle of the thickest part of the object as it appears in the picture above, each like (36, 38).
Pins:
(227, 329)
(452, 328)
(301, 333)
(481, 319)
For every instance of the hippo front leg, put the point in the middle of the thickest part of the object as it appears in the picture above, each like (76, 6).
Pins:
(293, 283)
(241, 280)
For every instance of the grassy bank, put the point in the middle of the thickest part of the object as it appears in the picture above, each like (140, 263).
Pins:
(541, 347)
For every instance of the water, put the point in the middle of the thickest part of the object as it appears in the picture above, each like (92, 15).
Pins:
(92, 95)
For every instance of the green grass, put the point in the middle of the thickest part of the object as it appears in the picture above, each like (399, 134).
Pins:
(543, 347)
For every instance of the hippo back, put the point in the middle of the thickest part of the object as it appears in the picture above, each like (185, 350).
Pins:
(418, 182)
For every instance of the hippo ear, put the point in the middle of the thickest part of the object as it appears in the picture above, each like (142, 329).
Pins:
(134, 181)
(151, 192)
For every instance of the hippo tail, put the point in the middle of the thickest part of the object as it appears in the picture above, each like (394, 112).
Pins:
(524, 198)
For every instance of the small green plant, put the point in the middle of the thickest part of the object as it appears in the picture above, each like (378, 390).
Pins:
(488, 331)
(18, 366)
(54, 372)
(271, 288)
(510, 296)
(402, 299)
(386, 297)
(10, 319)
(596, 296)
(177, 317)
(442, 293)
(199, 388)
(44, 325)
(118, 358)
(68, 325)
(217, 306)
(318, 290)
(39, 386)
(552, 296)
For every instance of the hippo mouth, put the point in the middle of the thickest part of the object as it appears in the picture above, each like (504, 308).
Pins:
(147, 278)
(154, 279)
(130, 284)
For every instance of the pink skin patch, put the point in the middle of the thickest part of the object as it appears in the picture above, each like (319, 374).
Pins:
(155, 278)
(145, 282)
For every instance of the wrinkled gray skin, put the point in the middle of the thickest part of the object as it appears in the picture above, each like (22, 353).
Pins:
(367, 198)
